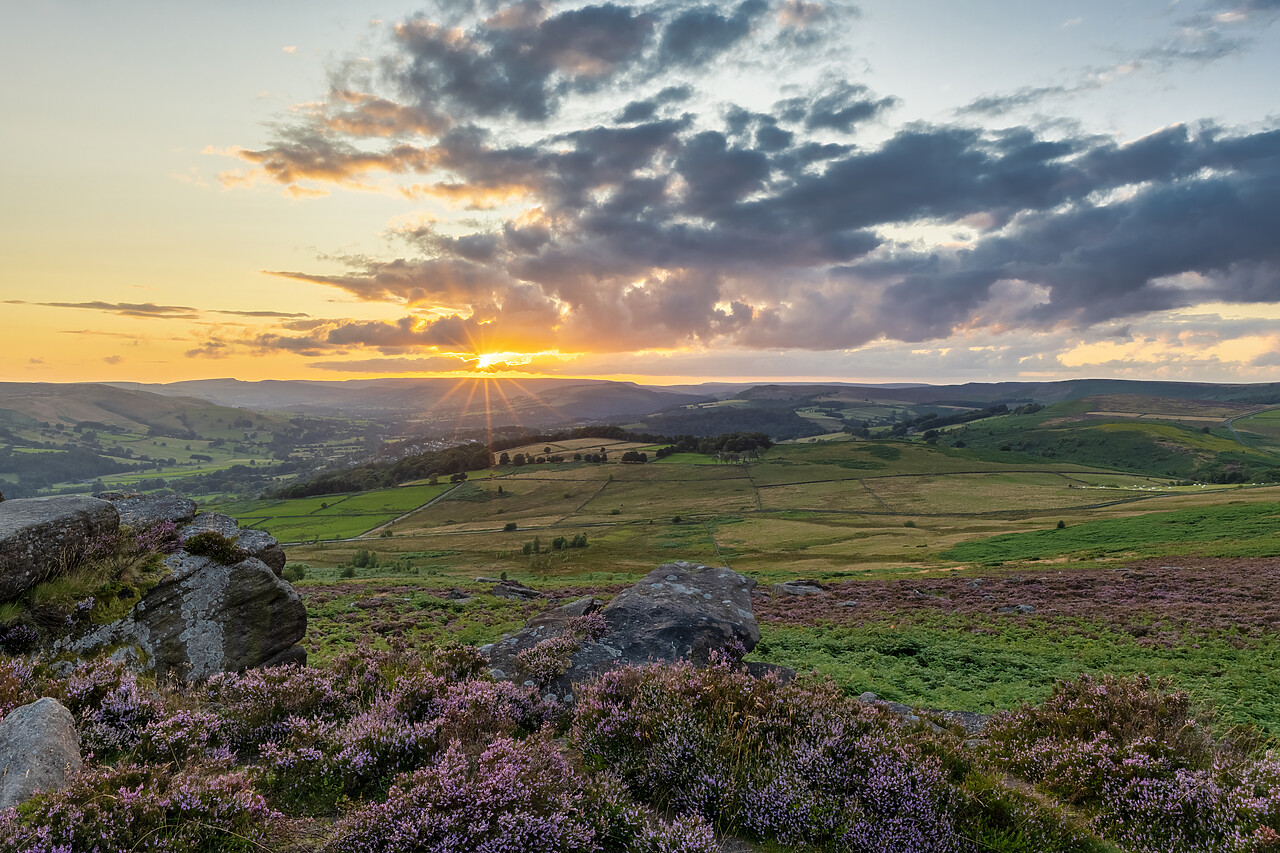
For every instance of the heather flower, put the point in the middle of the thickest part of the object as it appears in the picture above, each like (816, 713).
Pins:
(145, 809)
(161, 537)
(181, 736)
(259, 705)
(455, 662)
(15, 684)
(516, 796)
(549, 659)
(588, 627)
(793, 763)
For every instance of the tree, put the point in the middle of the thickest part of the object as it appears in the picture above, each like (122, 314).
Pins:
(504, 459)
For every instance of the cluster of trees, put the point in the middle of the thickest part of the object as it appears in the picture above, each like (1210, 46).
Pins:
(560, 543)
(385, 474)
(635, 456)
(932, 421)
(521, 459)
(41, 470)
(751, 443)
(364, 559)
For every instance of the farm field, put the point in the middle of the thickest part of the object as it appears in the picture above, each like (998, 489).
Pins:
(333, 517)
(930, 543)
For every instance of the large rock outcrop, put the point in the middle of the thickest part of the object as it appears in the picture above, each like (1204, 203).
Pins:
(143, 511)
(679, 611)
(40, 536)
(206, 617)
(39, 750)
(202, 617)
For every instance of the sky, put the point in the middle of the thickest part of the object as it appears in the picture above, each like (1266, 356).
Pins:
(667, 192)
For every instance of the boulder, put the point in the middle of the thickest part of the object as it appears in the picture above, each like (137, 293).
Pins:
(143, 511)
(514, 591)
(39, 750)
(206, 617)
(41, 536)
(679, 611)
(800, 586)
(257, 543)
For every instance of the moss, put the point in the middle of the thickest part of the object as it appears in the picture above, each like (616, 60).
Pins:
(215, 546)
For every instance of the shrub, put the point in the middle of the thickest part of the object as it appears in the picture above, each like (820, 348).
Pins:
(143, 808)
(455, 662)
(15, 685)
(549, 659)
(260, 706)
(215, 546)
(796, 764)
(319, 764)
(1136, 755)
(515, 796)
(510, 526)
(591, 626)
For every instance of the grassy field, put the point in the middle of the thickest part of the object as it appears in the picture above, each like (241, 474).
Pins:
(900, 527)
(332, 517)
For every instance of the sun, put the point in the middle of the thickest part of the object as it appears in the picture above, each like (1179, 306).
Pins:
(486, 360)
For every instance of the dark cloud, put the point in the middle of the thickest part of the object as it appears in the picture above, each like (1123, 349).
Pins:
(429, 364)
(522, 68)
(307, 153)
(148, 309)
(998, 105)
(128, 309)
(841, 107)
(278, 314)
(647, 110)
(210, 349)
(637, 228)
(698, 35)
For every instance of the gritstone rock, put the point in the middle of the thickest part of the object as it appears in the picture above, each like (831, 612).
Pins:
(39, 750)
(205, 618)
(39, 536)
(799, 586)
(143, 511)
(679, 611)
(514, 591)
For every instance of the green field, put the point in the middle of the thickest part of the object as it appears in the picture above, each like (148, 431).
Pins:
(900, 527)
(1235, 530)
(333, 517)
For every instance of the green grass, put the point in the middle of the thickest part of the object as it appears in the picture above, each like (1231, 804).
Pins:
(329, 517)
(957, 664)
(1234, 530)
(842, 511)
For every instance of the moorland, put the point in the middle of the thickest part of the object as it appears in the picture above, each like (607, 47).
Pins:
(981, 549)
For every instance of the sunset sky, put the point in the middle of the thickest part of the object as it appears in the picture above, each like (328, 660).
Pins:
(892, 190)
